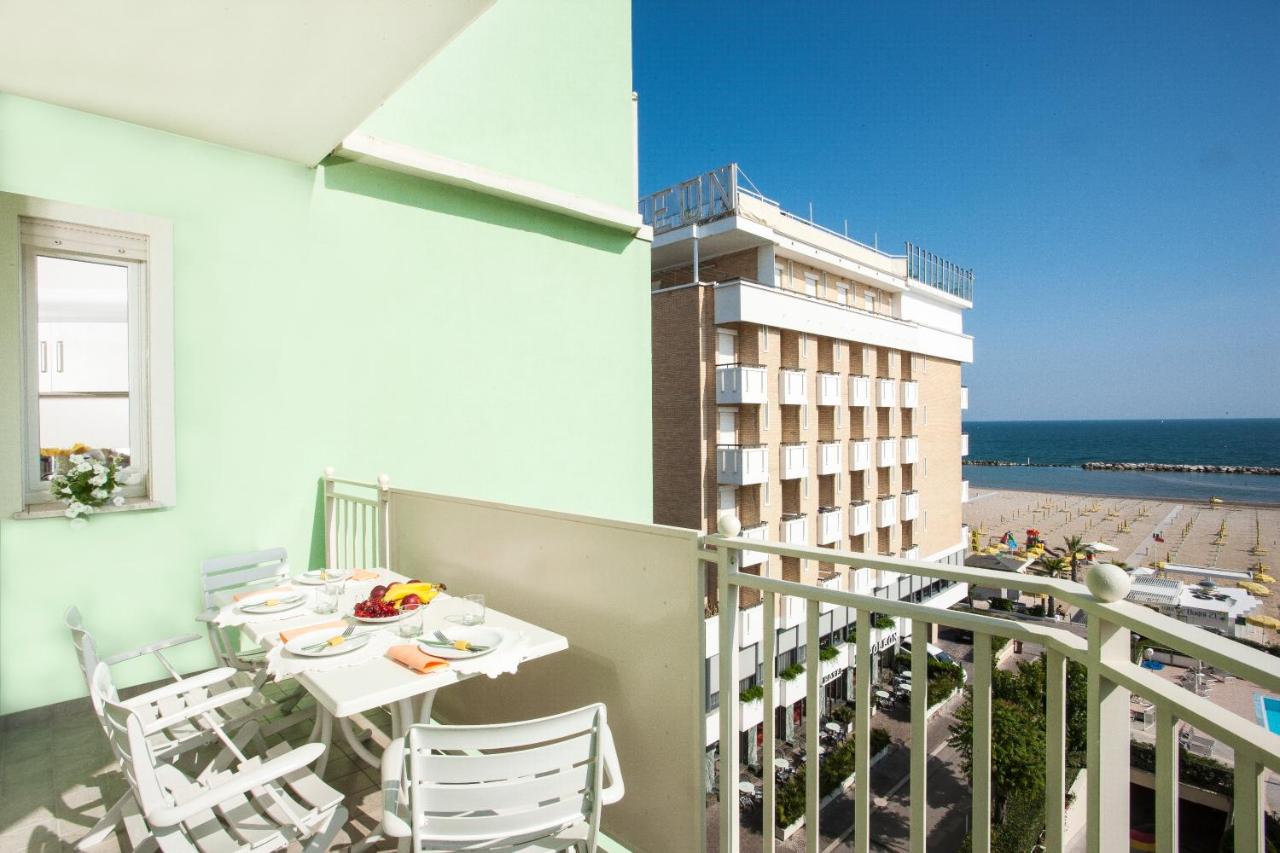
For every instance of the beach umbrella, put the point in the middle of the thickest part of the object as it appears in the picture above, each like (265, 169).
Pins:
(1263, 621)
(1255, 588)
(1101, 547)
(1261, 577)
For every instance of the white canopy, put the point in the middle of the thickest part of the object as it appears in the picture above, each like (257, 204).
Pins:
(1100, 548)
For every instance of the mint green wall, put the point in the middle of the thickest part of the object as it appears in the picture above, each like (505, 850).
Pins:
(349, 317)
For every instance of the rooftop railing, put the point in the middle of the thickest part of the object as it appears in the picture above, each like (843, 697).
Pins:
(939, 273)
(1112, 679)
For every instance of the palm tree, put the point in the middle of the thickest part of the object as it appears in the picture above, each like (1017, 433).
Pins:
(1054, 566)
(1074, 549)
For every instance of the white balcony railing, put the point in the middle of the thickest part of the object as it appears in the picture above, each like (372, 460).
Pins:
(886, 452)
(760, 533)
(828, 389)
(859, 454)
(793, 529)
(886, 511)
(910, 506)
(835, 582)
(743, 384)
(795, 461)
(1114, 678)
(911, 553)
(859, 518)
(794, 386)
(964, 444)
(859, 391)
(886, 392)
(830, 457)
(741, 465)
(964, 397)
(910, 394)
(829, 526)
(910, 449)
(964, 491)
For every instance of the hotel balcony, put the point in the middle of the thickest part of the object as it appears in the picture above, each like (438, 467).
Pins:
(859, 454)
(964, 491)
(964, 397)
(859, 391)
(834, 582)
(910, 506)
(910, 394)
(741, 465)
(964, 444)
(828, 389)
(910, 449)
(886, 393)
(886, 452)
(794, 461)
(741, 384)
(886, 511)
(829, 527)
(829, 457)
(859, 518)
(795, 387)
(760, 533)
(911, 553)
(794, 530)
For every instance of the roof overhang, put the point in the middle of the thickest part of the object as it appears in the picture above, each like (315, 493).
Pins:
(286, 78)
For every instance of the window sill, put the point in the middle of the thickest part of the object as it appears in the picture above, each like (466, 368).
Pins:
(57, 509)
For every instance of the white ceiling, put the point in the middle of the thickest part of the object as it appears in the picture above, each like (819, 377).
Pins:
(288, 78)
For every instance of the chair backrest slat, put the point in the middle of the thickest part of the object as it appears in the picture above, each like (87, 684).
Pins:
(128, 742)
(574, 782)
(494, 766)
(483, 827)
(220, 574)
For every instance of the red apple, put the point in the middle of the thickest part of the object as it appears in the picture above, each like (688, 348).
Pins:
(410, 600)
(377, 593)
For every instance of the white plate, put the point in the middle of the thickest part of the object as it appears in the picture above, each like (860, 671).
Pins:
(317, 576)
(299, 644)
(257, 603)
(477, 636)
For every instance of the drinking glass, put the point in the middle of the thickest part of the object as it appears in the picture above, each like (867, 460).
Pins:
(410, 626)
(473, 609)
(328, 596)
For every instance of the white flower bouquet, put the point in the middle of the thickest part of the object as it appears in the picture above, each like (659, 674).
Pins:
(87, 482)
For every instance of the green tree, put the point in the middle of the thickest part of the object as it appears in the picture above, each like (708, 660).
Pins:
(1073, 550)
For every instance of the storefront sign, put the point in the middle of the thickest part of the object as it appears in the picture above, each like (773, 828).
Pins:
(886, 642)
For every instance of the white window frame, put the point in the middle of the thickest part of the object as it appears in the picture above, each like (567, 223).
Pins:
(766, 492)
(764, 418)
(837, 417)
(838, 482)
(804, 345)
(814, 280)
(83, 232)
(842, 294)
(804, 418)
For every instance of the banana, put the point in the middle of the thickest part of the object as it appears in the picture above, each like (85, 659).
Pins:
(425, 591)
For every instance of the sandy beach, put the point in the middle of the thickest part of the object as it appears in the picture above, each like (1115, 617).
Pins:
(1197, 536)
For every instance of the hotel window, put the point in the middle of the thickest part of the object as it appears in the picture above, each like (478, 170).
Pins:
(778, 276)
(842, 294)
(924, 415)
(869, 297)
(804, 417)
(764, 339)
(92, 293)
(766, 492)
(810, 284)
(838, 488)
(837, 417)
(764, 417)
(924, 520)
(804, 487)
(924, 466)
(804, 345)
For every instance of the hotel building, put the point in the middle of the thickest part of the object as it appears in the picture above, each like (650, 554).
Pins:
(810, 385)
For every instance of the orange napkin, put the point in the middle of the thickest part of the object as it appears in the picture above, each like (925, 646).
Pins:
(247, 593)
(363, 575)
(415, 659)
(286, 636)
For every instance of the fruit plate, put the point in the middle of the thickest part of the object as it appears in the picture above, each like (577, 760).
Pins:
(381, 620)
(302, 644)
(486, 637)
(316, 577)
(275, 601)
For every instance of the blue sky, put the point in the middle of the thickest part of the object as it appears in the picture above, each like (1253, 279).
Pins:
(1109, 171)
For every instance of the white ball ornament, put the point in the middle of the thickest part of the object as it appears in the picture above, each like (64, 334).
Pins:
(1107, 582)
(729, 525)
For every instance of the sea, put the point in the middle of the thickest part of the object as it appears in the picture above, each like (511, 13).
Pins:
(1245, 441)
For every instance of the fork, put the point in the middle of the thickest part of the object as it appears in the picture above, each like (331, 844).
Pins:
(351, 629)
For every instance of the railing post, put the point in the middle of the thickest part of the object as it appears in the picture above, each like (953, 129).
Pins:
(981, 741)
(1055, 745)
(862, 734)
(1108, 812)
(730, 709)
(812, 774)
(1248, 805)
(770, 652)
(1167, 772)
(919, 828)
(330, 533)
(384, 521)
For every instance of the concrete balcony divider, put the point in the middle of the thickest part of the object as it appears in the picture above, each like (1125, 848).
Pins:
(910, 506)
(910, 449)
(886, 452)
(741, 384)
(830, 457)
(859, 454)
(964, 444)
(859, 518)
(859, 391)
(886, 392)
(886, 511)
(964, 397)
(794, 461)
(794, 385)
(829, 525)
(910, 394)
(964, 491)
(828, 389)
(741, 465)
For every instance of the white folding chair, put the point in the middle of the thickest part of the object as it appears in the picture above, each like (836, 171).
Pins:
(263, 803)
(534, 785)
(173, 717)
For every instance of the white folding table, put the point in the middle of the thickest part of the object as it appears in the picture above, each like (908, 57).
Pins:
(345, 694)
